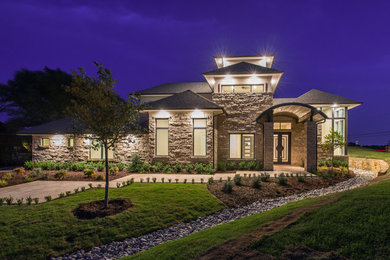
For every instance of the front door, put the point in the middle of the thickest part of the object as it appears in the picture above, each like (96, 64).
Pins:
(282, 148)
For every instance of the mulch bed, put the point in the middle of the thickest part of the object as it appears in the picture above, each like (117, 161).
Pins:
(95, 209)
(245, 194)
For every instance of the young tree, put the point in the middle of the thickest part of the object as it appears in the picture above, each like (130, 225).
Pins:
(100, 113)
(333, 141)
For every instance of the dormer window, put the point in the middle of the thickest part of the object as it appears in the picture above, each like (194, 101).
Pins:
(256, 88)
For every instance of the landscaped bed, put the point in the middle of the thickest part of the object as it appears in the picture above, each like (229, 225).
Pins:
(245, 194)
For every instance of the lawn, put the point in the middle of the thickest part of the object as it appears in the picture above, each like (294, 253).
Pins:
(361, 152)
(50, 229)
(194, 245)
(356, 226)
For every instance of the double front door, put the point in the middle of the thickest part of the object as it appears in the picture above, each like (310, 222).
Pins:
(282, 148)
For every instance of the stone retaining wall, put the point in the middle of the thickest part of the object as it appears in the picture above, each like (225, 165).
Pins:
(377, 166)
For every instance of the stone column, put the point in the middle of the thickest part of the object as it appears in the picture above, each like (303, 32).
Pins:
(268, 146)
(311, 146)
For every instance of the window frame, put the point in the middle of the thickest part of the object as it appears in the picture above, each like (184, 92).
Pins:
(242, 146)
(193, 137)
(42, 142)
(101, 154)
(251, 87)
(155, 137)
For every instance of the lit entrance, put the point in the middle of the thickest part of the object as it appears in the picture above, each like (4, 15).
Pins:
(282, 148)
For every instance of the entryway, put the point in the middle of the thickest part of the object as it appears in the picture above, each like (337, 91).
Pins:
(282, 148)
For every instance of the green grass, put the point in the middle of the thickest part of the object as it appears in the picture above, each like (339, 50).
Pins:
(361, 152)
(357, 226)
(194, 245)
(50, 229)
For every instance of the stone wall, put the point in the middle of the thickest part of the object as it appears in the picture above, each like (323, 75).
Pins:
(241, 110)
(180, 138)
(377, 166)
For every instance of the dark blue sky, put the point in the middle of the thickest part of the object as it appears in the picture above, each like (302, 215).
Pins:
(342, 47)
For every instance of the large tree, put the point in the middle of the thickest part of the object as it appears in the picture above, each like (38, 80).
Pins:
(100, 114)
(35, 97)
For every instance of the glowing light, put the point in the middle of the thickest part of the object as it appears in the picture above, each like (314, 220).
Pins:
(212, 82)
(162, 114)
(273, 81)
(268, 59)
(57, 139)
(197, 114)
(228, 79)
(254, 79)
(335, 105)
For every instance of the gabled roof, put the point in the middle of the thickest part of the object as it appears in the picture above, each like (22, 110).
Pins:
(316, 96)
(183, 100)
(243, 68)
(65, 126)
(173, 88)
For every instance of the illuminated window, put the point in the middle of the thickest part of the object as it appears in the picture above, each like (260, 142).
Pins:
(45, 142)
(242, 146)
(258, 88)
(97, 152)
(161, 137)
(71, 142)
(282, 125)
(199, 140)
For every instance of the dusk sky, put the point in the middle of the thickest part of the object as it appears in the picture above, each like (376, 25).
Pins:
(341, 47)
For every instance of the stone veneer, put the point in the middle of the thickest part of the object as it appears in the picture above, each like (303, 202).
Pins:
(241, 111)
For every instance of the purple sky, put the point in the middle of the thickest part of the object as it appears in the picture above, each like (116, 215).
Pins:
(342, 47)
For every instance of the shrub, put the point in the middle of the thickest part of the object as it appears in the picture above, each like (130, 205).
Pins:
(237, 180)
(100, 167)
(168, 168)
(90, 185)
(29, 200)
(8, 176)
(121, 166)
(45, 176)
(211, 180)
(199, 168)
(118, 184)
(227, 187)
(185, 181)
(67, 193)
(148, 179)
(100, 178)
(229, 178)
(154, 180)
(189, 168)
(76, 190)
(162, 180)
(242, 165)
(220, 179)
(29, 165)
(259, 166)
(169, 180)
(19, 170)
(99, 186)
(255, 182)
(231, 166)
(123, 184)
(83, 188)
(36, 201)
(251, 165)
(300, 178)
(141, 180)
(29, 178)
(221, 166)
(178, 167)
(158, 167)
(48, 198)
(128, 182)
(282, 180)
(60, 175)
(136, 165)
(193, 181)
(147, 167)
(201, 180)
(19, 201)
(9, 200)
(209, 169)
(3, 183)
(36, 173)
(177, 181)
(264, 177)
(61, 195)
(89, 172)
(114, 170)
(1, 201)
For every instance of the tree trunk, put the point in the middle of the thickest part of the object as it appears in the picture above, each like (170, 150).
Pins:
(107, 182)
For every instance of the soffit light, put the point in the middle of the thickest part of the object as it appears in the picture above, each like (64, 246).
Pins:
(162, 114)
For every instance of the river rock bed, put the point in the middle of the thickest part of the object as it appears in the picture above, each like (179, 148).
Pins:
(131, 246)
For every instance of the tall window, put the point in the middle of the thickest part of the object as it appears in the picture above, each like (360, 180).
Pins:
(339, 126)
(161, 137)
(98, 153)
(242, 146)
(199, 140)
(70, 142)
(257, 88)
(45, 142)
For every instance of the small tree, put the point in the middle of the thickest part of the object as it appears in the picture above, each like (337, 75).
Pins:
(99, 112)
(333, 141)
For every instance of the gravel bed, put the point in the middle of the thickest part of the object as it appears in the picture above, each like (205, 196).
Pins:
(131, 246)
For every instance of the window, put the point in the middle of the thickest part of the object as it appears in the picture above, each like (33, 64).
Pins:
(97, 153)
(161, 137)
(45, 142)
(242, 146)
(70, 142)
(199, 140)
(282, 125)
(258, 88)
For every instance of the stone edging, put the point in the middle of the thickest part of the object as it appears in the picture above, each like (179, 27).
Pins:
(131, 246)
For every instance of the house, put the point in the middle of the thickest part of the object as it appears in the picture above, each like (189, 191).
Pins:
(231, 116)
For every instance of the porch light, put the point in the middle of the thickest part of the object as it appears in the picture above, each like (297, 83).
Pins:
(162, 114)
(197, 114)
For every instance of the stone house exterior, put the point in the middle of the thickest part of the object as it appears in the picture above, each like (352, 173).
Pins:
(232, 116)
